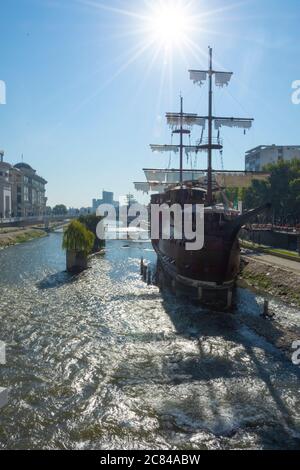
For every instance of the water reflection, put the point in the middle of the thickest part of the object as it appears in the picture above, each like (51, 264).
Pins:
(103, 361)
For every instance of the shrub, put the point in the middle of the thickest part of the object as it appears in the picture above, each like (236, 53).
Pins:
(78, 238)
(91, 222)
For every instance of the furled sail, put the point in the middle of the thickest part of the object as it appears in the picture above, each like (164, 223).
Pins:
(223, 78)
(220, 179)
(167, 177)
(142, 187)
(156, 187)
(158, 176)
(233, 122)
(175, 120)
(193, 149)
(175, 148)
(164, 148)
(173, 176)
(145, 188)
(198, 76)
(192, 175)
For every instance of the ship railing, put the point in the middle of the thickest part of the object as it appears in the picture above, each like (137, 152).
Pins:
(214, 141)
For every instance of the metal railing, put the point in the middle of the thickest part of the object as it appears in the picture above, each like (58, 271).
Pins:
(214, 141)
(33, 219)
(276, 228)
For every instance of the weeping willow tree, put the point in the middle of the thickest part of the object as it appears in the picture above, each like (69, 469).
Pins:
(78, 238)
(78, 242)
(91, 222)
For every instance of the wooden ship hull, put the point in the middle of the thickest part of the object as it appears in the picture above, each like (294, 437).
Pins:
(199, 274)
(207, 275)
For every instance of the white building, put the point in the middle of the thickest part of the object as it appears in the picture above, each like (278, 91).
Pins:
(5, 189)
(22, 191)
(28, 191)
(258, 157)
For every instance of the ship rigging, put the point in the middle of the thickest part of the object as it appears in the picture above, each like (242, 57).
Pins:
(210, 272)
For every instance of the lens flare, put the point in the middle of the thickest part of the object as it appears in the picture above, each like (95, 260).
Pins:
(169, 24)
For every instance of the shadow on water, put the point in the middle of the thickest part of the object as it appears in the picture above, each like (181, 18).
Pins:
(123, 357)
(214, 370)
(204, 325)
(53, 281)
(133, 297)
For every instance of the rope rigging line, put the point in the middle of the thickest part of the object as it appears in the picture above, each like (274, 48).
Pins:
(238, 102)
(202, 134)
(170, 153)
(188, 157)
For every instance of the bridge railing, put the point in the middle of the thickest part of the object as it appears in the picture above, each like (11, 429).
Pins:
(33, 219)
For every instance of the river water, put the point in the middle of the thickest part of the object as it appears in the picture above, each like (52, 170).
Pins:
(103, 361)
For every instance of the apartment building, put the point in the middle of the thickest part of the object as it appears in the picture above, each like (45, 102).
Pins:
(257, 158)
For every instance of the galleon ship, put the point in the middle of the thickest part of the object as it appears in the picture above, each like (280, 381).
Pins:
(208, 274)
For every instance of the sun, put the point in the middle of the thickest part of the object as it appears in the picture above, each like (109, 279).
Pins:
(169, 23)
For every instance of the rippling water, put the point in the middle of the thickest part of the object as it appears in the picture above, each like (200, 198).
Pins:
(103, 361)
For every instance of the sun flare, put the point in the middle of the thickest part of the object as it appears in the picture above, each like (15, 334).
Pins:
(169, 23)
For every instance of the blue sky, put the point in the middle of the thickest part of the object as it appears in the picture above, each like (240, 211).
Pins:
(84, 102)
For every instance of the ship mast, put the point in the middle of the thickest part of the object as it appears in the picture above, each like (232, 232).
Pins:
(181, 131)
(181, 123)
(221, 79)
(210, 122)
(181, 141)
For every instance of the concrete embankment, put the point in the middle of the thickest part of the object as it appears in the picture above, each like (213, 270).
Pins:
(273, 281)
(265, 273)
(14, 235)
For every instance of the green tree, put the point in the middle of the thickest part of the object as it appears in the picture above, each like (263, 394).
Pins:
(91, 222)
(282, 189)
(60, 209)
(78, 238)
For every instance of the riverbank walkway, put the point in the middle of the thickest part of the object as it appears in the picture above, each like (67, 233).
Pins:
(289, 265)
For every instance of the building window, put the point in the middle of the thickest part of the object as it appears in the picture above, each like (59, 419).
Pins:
(26, 194)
